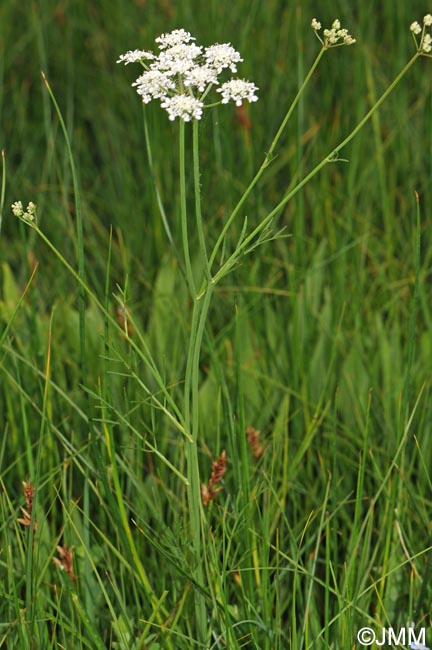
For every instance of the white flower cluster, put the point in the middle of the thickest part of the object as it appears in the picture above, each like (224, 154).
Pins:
(181, 75)
(237, 90)
(333, 37)
(135, 55)
(425, 44)
(28, 215)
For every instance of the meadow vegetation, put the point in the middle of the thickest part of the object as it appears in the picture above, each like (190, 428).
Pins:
(299, 396)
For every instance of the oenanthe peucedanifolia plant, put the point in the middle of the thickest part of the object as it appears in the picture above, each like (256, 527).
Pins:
(187, 80)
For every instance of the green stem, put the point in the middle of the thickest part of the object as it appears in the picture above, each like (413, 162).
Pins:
(199, 320)
(197, 189)
(196, 359)
(268, 158)
(183, 207)
(189, 367)
(191, 388)
(331, 157)
(375, 107)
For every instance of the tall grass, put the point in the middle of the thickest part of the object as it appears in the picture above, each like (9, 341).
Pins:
(321, 341)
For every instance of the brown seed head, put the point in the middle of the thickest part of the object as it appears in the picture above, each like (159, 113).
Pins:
(253, 440)
(29, 492)
(218, 469)
(209, 492)
(65, 562)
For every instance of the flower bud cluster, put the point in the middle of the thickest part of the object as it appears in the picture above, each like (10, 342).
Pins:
(27, 215)
(182, 74)
(333, 37)
(424, 44)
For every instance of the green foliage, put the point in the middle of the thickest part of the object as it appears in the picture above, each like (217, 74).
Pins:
(320, 340)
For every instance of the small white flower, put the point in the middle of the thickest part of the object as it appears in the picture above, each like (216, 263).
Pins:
(183, 106)
(336, 36)
(178, 59)
(315, 24)
(222, 56)
(176, 37)
(153, 84)
(134, 55)
(426, 44)
(237, 90)
(183, 72)
(18, 211)
(349, 40)
(31, 208)
(17, 208)
(200, 77)
(331, 38)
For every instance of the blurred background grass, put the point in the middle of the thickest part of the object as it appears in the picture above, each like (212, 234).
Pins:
(76, 45)
(353, 226)
(324, 314)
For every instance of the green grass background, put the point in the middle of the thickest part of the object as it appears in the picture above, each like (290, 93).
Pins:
(318, 340)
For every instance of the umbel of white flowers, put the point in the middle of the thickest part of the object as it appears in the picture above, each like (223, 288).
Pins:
(26, 215)
(424, 46)
(181, 75)
(333, 37)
